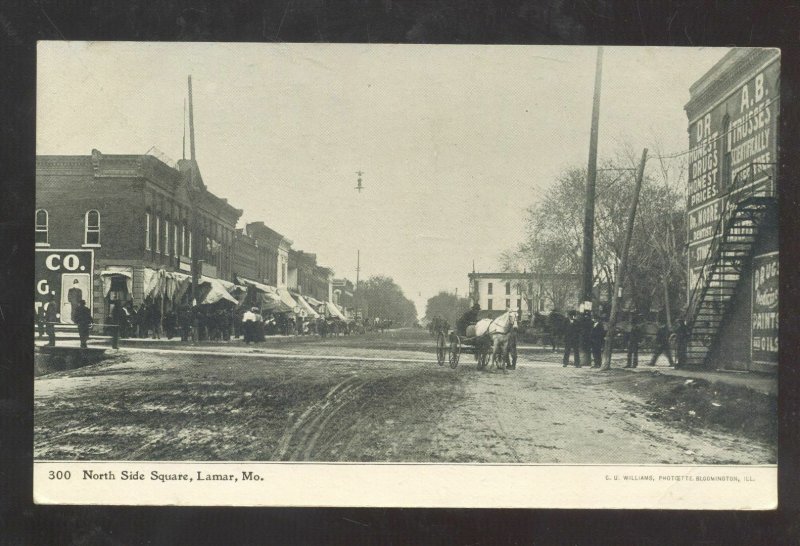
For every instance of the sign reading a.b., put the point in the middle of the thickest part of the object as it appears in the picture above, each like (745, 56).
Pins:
(65, 275)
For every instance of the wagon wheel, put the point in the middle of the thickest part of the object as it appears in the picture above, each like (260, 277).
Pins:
(512, 352)
(455, 351)
(441, 349)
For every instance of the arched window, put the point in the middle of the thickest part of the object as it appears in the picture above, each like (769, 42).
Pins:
(42, 227)
(92, 228)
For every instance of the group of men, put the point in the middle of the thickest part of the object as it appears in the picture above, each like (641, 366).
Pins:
(49, 316)
(588, 332)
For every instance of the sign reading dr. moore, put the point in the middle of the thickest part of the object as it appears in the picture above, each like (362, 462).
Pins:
(65, 275)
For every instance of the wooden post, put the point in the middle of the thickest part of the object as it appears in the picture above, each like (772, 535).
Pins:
(620, 281)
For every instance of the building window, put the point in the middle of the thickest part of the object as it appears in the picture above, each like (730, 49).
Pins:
(508, 288)
(42, 226)
(189, 249)
(489, 288)
(147, 231)
(175, 240)
(92, 228)
(519, 303)
(508, 304)
(489, 303)
(158, 233)
(166, 237)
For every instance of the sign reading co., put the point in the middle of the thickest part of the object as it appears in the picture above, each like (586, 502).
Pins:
(52, 267)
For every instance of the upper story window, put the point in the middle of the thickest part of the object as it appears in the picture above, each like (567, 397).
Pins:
(92, 228)
(508, 288)
(158, 233)
(726, 153)
(42, 227)
(175, 240)
(489, 288)
(147, 230)
(166, 237)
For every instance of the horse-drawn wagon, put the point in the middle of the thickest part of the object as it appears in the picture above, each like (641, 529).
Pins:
(489, 338)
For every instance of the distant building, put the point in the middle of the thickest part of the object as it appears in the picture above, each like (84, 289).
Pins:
(273, 251)
(106, 223)
(732, 212)
(527, 293)
(343, 294)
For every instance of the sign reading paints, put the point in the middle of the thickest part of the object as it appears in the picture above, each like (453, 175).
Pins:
(66, 275)
(765, 308)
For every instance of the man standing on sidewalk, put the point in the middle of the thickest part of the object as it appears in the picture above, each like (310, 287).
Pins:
(83, 318)
(597, 338)
(51, 317)
(572, 337)
(634, 338)
(662, 345)
(681, 342)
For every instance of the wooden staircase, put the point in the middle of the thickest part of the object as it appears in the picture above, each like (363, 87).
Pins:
(731, 251)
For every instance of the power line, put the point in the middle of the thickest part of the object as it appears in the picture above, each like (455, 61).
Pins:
(713, 140)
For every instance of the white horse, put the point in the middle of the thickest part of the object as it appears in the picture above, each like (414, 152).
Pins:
(499, 329)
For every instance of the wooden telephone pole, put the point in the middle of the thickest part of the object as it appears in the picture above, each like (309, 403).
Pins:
(587, 277)
(619, 284)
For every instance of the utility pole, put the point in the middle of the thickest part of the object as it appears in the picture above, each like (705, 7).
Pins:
(619, 284)
(591, 177)
(193, 240)
(588, 218)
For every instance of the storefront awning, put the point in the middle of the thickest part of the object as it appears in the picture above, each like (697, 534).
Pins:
(304, 306)
(286, 298)
(334, 311)
(163, 283)
(117, 270)
(217, 291)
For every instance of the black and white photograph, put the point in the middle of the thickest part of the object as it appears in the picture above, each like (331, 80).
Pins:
(426, 259)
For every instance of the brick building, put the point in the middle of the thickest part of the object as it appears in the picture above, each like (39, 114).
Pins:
(274, 253)
(527, 293)
(343, 295)
(305, 277)
(131, 216)
(732, 212)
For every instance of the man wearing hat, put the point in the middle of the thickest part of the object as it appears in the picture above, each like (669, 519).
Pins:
(572, 336)
(470, 317)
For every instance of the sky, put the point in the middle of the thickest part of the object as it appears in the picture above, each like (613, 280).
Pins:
(455, 141)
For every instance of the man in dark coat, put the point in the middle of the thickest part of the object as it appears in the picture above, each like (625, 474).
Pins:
(83, 318)
(74, 296)
(41, 319)
(597, 338)
(572, 336)
(470, 317)
(117, 320)
(662, 345)
(51, 317)
(681, 342)
(634, 338)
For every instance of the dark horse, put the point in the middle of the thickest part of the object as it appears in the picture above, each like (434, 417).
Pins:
(553, 326)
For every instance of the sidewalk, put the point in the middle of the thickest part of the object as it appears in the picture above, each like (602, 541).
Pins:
(758, 382)
(763, 383)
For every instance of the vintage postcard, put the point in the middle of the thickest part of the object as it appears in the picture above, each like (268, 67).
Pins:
(406, 275)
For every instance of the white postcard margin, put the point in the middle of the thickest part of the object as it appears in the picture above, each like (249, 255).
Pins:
(714, 487)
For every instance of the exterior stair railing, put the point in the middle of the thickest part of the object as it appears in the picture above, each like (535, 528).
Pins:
(731, 248)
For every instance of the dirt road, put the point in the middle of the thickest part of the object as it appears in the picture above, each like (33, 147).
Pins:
(237, 403)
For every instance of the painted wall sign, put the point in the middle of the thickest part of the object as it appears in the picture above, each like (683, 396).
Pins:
(764, 318)
(732, 144)
(65, 274)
